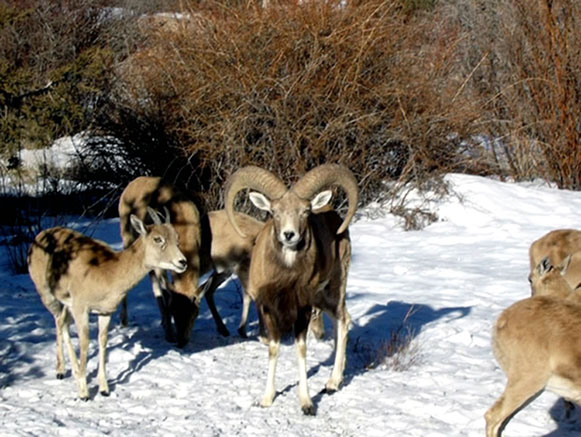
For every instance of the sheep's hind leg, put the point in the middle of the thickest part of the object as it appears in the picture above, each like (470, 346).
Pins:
(103, 336)
(341, 335)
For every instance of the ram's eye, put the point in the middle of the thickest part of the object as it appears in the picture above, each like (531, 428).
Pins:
(158, 240)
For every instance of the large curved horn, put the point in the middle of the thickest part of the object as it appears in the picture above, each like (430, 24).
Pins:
(255, 178)
(324, 176)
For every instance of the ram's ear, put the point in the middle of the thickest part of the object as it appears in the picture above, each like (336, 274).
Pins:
(321, 199)
(137, 225)
(260, 201)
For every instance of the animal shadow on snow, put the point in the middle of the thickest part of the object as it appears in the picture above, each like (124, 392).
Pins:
(148, 343)
(383, 322)
(20, 331)
(568, 422)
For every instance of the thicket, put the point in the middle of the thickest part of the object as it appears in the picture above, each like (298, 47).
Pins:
(398, 90)
(372, 86)
(524, 64)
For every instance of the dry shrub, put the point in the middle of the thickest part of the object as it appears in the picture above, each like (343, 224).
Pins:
(527, 57)
(399, 352)
(371, 86)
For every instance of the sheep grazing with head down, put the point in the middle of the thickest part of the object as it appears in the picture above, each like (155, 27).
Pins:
(300, 260)
(536, 342)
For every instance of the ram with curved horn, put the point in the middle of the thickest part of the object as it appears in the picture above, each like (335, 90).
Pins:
(300, 261)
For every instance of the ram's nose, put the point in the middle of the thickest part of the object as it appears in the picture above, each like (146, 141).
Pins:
(182, 265)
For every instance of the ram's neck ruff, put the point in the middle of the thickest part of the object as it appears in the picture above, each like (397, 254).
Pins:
(289, 256)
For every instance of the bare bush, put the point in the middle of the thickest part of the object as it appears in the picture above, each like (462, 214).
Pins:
(399, 352)
(526, 62)
(288, 88)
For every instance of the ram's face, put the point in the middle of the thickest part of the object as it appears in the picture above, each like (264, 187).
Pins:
(290, 214)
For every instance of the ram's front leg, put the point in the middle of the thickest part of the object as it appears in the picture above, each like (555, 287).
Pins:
(269, 392)
(301, 329)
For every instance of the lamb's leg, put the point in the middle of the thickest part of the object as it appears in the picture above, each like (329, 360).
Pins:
(82, 321)
(66, 321)
(60, 314)
(301, 329)
(103, 336)
(519, 389)
(60, 320)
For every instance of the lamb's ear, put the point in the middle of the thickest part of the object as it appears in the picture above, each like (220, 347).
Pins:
(260, 201)
(137, 225)
(154, 215)
(564, 265)
(167, 217)
(321, 199)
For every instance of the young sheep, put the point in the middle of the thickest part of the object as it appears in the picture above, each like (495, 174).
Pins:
(209, 243)
(75, 275)
(536, 343)
(300, 260)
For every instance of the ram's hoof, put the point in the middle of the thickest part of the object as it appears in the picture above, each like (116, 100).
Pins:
(309, 410)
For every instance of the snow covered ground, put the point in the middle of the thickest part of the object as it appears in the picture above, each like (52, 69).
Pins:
(446, 284)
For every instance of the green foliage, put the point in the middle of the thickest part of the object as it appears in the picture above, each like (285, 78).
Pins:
(55, 66)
